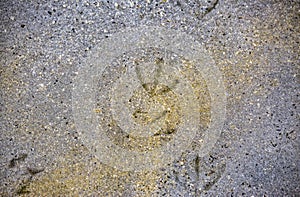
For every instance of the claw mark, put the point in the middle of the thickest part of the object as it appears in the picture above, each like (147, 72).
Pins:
(210, 8)
(168, 88)
(197, 163)
(21, 157)
(34, 171)
(23, 190)
(158, 72)
(168, 131)
(160, 116)
(197, 14)
(197, 167)
(216, 173)
(159, 62)
(139, 76)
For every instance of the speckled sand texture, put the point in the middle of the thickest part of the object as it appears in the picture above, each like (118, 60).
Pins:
(149, 98)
